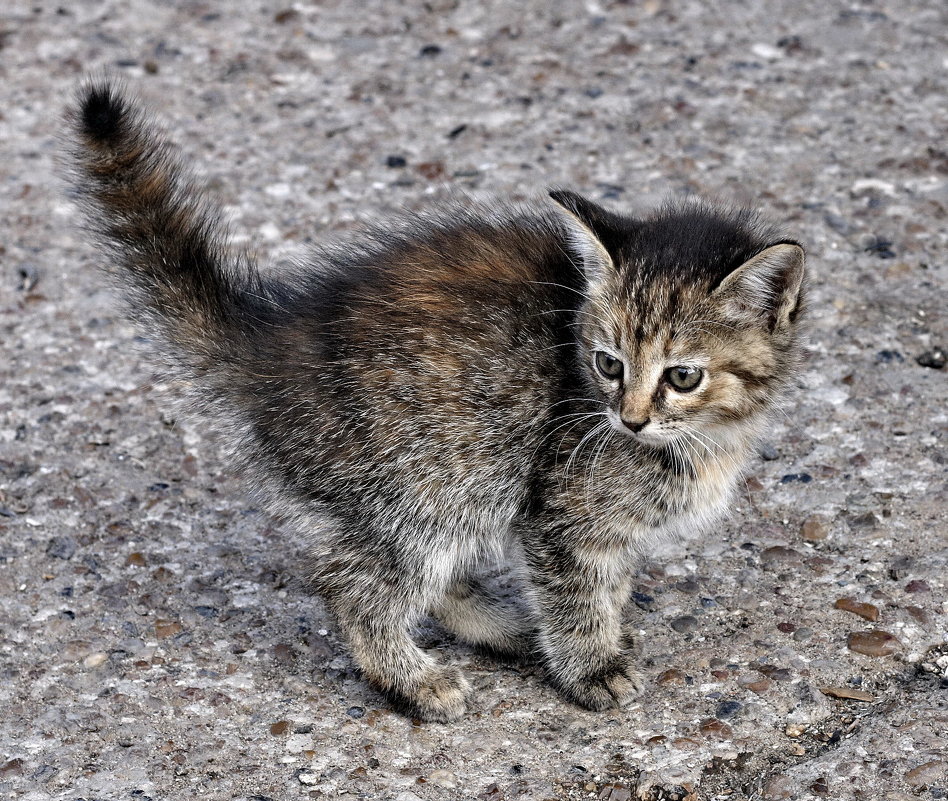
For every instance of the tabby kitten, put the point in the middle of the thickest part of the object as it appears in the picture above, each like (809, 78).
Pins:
(554, 382)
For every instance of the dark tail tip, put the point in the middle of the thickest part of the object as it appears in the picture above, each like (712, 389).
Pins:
(103, 113)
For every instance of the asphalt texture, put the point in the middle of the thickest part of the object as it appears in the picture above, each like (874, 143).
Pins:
(156, 641)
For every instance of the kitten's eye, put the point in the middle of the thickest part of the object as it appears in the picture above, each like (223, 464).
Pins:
(684, 379)
(609, 366)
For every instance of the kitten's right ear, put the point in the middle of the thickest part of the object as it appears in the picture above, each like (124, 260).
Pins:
(591, 230)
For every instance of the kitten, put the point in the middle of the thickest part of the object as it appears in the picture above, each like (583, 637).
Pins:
(555, 382)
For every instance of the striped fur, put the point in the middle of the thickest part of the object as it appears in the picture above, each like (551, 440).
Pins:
(430, 390)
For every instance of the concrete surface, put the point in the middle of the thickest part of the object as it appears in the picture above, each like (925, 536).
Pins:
(154, 641)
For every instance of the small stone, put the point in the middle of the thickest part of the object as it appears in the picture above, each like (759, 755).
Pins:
(11, 767)
(866, 611)
(795, 730)
(167, 628)
(712, 728)
(308, 778)
(61, 547)
(934, 358)
(727, 709)
(355, 712)
(96, 659)
(786, 627)
(901, 567)
(643, 601)
(779, 788)
(803, 634)
(768, 452)
(615, 792)
(672, 676)
(396, 161)
(932, 772)
(285, 16)
(443, 778)
(432, 170)
(813, 530)
(137, 559)
(430, 51)
(280, 727)
(848, 693)
(919, 614)
(873, 643)
(820, 786)
(802, 478)
(686, 624)
(780, 555)
(917, 585)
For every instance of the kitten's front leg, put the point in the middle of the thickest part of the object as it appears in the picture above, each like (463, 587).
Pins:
(580, 596)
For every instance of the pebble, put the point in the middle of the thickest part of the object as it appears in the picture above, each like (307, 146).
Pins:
(768, 452)
(672, 676)
(280, 727)
(643, 601)
(780, 555)
(929, 773)
(873, 643)
(712, 728)
(686, 624)
(917, 585)
(779, 788)
(901, 567)
(934, 358)
(727, 709)
(355, 712)
(443, 778)
(396, 161)
(813, 530)
(61, 547)
(918, 613)
(849, 693)
(167, 628)
(803, 634)
(866, 611)
(96, 659)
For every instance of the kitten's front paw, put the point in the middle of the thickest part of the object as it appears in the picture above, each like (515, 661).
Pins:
(440, 698)
(614, 686)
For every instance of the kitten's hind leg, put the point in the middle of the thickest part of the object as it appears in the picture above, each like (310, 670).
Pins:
(479, 618)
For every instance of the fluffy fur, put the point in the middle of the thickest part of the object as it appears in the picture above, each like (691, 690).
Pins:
(465, 384)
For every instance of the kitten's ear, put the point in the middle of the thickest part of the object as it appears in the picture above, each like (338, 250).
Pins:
(592, 231)
(767, 288)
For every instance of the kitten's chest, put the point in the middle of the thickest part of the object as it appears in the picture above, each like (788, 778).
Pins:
(661, 502)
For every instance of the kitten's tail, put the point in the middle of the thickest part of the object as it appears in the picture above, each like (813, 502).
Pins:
(168, 245)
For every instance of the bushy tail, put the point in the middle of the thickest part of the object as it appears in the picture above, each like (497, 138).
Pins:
(167, 245)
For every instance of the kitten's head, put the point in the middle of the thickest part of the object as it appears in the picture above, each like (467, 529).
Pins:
(690, 325)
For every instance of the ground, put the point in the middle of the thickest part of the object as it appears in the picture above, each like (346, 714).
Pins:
(155, 638)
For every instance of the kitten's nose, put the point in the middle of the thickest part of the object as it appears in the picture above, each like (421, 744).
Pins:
(635, 426)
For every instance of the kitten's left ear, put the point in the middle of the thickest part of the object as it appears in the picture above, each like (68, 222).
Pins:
(593, 232)
(767, 288)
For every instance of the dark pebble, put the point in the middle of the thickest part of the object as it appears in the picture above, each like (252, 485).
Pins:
(396, 161)
(643, 601)
(429, 51)
(158, 486)
(707, 603)
(6, 512)
(803, 478)
(593, 92)
(934, 358)
(29, 277)
(901, 567)
(355, 712)
(61, 547)
(837, 223)
(456, 132)
(882, 248)
(686, 624)
(768, 452)
(889, 356)
(207, 611)
(727, 709)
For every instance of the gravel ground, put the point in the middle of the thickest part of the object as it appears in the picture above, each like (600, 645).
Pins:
(155, 641)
